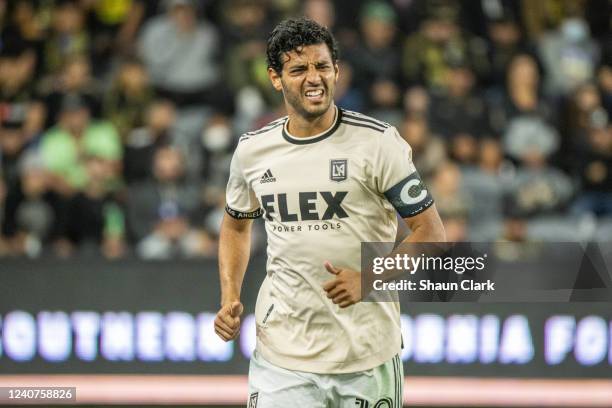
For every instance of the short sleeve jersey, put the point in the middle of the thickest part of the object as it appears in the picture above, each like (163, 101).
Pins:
(321, 197)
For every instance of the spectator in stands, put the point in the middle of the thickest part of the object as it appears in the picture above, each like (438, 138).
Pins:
(604, 80)
(65, 146)
(487, 183)
(451, 200)
(585, 101)
(181, 54)
(522, 108)
(113, 26)
(139, 13)
(456, 228)
(143, 142)
(68, 35)
(244, 32)
(321, 11)
(506, 41)
(446, 185)
(515, 226)
(65, 151)
(385, 101)
(426, 52)
(459, 114)
(21, 183)
(24, 29)
(576, 124)
(13, 142)
(417, 101)
(593, 166)
(529, 134)
(539, 16)
(96, 221)
(163, 212)
(537, 187)
(127, 98)
(30, 215)
(217, 142)
(17, 92)
(348, 96)
(375, 60)
(569, 56)
(428, 150)
(74, 79)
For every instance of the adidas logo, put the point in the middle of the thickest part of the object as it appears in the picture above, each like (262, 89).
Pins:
(267, 177)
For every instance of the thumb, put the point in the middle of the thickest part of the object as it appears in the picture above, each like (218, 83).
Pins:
(330, 268)
(236, 309)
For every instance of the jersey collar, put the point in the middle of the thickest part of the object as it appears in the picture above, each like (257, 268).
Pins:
(315, 138)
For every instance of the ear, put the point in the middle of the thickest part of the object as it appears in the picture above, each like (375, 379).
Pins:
(337, 69)
(275, 79)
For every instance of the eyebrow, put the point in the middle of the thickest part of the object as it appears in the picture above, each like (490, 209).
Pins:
(297, 66)
(304, 65)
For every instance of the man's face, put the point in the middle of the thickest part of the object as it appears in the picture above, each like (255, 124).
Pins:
(184, 17)
(308, 80)
(75, 120)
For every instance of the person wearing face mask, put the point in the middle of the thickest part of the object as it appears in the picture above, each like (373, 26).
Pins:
(216, 142)
(569, 56)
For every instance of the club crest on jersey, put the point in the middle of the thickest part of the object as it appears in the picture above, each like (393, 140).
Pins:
(338, 169)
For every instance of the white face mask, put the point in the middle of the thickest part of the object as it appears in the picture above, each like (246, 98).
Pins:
(250, 102)
(216, 138)
(575, 30)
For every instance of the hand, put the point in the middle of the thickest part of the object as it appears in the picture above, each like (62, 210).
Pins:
(227, 322)
(345, 288)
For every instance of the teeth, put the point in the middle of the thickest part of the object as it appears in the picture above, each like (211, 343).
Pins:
(314, 93)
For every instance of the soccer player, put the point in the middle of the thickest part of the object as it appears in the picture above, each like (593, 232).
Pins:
(324, 179)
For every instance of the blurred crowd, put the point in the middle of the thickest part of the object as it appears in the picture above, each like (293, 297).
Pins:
(118, 118)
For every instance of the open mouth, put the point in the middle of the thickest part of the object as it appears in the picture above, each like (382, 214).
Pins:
(314, 95)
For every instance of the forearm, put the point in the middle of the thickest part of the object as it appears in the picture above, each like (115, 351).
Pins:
(234, 250)
(428, 229)
(431, 230)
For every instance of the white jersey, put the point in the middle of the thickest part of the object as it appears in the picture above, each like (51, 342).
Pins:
(321, 197)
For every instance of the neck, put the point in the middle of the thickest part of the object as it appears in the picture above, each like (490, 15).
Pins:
(524, 97)
(95, 189)
(299, 126)
(74, 132)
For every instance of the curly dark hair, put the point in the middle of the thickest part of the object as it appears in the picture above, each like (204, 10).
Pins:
(293, 33)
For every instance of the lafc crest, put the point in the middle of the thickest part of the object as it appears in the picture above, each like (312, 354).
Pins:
(338, 169)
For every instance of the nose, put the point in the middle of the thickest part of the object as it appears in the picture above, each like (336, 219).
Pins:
(313, 76)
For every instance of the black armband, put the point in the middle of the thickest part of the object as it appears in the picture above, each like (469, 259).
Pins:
(410, 196)
(239, 215)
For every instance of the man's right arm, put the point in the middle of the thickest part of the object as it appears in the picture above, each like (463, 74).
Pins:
(234, 251)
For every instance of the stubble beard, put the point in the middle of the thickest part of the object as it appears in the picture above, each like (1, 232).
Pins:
(296, 102)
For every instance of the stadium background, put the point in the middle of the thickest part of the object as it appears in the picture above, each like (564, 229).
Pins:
(119, 117)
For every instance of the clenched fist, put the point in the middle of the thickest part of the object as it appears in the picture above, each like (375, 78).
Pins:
(345, 289)
(227, 322)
